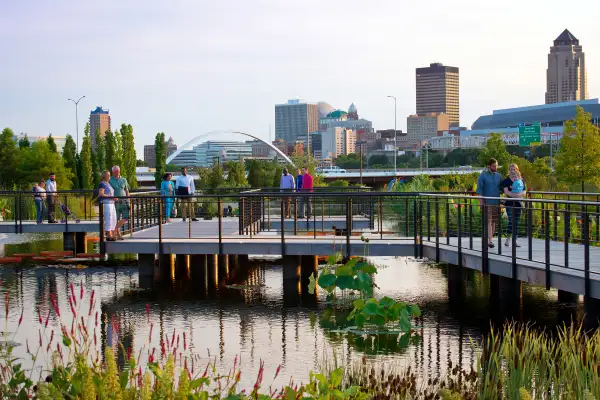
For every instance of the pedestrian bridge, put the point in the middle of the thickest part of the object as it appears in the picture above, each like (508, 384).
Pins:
(558, 233)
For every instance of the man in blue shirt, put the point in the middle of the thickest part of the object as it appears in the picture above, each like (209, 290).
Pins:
(298, 200)
(488, 185)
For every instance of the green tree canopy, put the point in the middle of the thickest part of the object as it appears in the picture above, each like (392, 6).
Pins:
(38, 162)
(24, 142)
(69, 157)
(85, 160)
(495, 148)
(350, 161)
(577, 160)
(52, 144)
(160, 152)
(236, 174)
(379, 160)
(8, 158)
(128, 154)
(110, 146)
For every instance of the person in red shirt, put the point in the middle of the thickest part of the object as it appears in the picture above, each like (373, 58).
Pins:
(307, 186)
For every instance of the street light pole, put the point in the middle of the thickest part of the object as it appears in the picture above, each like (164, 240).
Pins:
(395, 149)
(77, 122)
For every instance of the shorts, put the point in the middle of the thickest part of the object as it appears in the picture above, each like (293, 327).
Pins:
(493, 211)
(122, 210)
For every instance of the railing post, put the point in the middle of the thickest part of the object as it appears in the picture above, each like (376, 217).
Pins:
(407, 224)
(547, 244)
(251, 224)
(16, 208)
(447, 220)
(160, 223)
(296, 216)
(555, 221)
(348, 226)
(428, 219)
(415, 230)
(529, 230)
(379, 218)
(459, 232)
(514, 233)
(282, 220)
(437, 229)
(484, 240)
(314, 214)
(323, 215)
(421, 227)
(586, 250)
(220, 213)
(21, 213)
(269, 212)
(567, 229)
(101, 216)
(470, 202)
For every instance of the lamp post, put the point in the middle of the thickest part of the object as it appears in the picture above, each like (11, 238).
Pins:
(77, 122)
(395, 149)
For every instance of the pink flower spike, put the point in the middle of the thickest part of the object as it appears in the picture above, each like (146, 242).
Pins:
(148, 311)
(47, 319)
(277, 371)
(72, 287)
(185, 342)
(39, 315)
(20, 318)
(27, 346)
(91, 303)
(54, 304)
(81, 290)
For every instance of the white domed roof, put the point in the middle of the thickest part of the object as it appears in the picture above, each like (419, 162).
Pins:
(324, 109)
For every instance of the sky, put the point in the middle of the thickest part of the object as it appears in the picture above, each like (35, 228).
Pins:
(186, 68)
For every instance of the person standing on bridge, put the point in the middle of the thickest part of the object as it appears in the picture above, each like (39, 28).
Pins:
(107, 202)
(299, 209)
(286, 184)
(488, 185)
(394, 183)
(185, 188)
(307, 186)
(51, 197)
(513, 188)
(120, 189)
(167, 189)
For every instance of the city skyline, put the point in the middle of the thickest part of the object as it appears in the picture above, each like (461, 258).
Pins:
(161, 71)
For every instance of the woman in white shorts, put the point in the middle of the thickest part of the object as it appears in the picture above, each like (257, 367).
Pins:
(107, 202)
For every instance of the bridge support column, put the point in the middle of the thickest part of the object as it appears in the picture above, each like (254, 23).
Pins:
(165, 265)
(212, 271)
(182, 263)
(292, 266)
(242, 259)
(146, 270)
(505, 288)
(567, 297)
(198, 266)
(223, 267)
(456, 282)
(309, 265)
(591, 307)
(80, 242)
(69, 241)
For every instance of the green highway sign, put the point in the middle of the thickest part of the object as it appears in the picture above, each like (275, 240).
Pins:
(530, 135)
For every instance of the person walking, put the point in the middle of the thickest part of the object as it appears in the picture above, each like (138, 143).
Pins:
(51, 198)
(286, 185)
(307, 186)
(184, 188)
(299, 204)
(488, 185)
(393, 184)
(514, 189)
(39, 198)
(167, 189)
(120, 189)
(107, 202)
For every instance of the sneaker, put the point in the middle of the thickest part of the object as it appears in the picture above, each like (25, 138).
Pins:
(517, 244)
(491, 245)
(183, 219)
(194, 219)
(507, 242)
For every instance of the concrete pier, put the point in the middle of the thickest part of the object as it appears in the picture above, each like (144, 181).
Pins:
(146, 270)
(309, 265)
(292, 265)
(182, 266)
(591, 307)
(567, 297)
(75, 241)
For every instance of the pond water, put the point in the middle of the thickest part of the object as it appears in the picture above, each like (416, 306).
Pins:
(274, 321)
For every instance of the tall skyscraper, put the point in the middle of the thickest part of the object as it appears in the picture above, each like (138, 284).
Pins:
(295, 120)
(438, 91)
(566, 77)
(99, 121)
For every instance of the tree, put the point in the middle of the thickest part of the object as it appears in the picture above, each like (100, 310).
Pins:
(24, 142)
(458, 157)
(69, 157)
(118, 157)
(38, 162)
(141, 163)
(52, 144)
(379, 160)
(350, 161)
(8, 159)
(99, 157)
(577, 160)
(160, 153)
(215, 176)
(111, 150)
(236, 174)
(128, 154)
(85, 159)
(495, 148)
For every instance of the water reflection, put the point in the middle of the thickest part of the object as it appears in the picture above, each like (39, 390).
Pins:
(228, 306)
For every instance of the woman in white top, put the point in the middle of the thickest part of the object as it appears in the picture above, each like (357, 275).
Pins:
(106, 195)
(40, 200)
